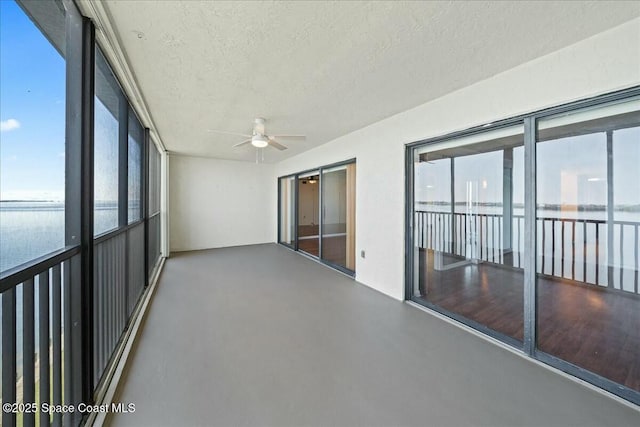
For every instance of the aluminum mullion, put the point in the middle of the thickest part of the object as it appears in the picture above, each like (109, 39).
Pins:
(320, 214)
(610, 208)
(297, 212)
(530, 235)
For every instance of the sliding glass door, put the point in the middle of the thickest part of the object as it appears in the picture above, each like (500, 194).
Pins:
(588, 220)
(317, 214)
(309, 213)
(287, 209)
(468, 202)
(338, 215)
(529, 231)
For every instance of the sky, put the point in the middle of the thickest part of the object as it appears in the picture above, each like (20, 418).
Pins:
(570, 170)
(32, 110)
(32, 133)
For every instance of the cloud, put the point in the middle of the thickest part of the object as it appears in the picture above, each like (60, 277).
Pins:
(10, 124)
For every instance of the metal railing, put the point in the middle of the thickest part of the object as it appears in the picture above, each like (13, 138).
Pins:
(36, 312)
(118, 281)
(575, 249)
(452, 234)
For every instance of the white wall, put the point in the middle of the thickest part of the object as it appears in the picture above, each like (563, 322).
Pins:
(600, 64)
(217, 203)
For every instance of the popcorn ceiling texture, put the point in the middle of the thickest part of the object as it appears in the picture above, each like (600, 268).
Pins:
(325, 69)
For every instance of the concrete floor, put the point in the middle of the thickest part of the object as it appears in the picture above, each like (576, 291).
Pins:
(261, 336)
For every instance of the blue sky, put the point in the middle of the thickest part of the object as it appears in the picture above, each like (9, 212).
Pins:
(32, 110)
(571, 170)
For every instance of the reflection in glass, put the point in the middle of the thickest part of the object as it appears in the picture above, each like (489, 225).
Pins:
(287, 210)
(338, 215)
(153, 213)
(154, 179)
(107, 104)
(469, 227)
(309, 213)
(588, 221)
(136, 135)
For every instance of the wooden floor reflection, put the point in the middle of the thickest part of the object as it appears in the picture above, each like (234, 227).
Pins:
(334, 248)
(334, 242)
(592, 327)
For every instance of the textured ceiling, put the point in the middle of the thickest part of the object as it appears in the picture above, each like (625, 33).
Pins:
(325, 69)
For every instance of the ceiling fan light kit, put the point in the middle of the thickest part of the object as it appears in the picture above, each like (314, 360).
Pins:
(259, 141)
(259, 137)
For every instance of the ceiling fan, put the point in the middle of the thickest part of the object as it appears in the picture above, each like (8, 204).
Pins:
(259, 137)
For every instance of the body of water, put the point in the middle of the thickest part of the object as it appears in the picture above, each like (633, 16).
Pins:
(573, 250)
(29, 230)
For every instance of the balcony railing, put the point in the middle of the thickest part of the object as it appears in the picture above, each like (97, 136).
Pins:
(45, 365)
(38, 320)
(575, 249)
(119, 279)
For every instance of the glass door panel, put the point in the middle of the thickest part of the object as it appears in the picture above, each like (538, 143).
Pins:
(338, 216)
(287, 210)
(588, 223)
(469, 228)
(309, 213)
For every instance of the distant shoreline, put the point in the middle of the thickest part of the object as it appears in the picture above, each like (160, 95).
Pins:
(30, 201)
(544, 206)
(39, 203)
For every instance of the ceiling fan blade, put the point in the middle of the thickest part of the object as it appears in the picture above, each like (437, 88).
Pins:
(245, 142)
(289, 136)
(275, 144)
(229, 133)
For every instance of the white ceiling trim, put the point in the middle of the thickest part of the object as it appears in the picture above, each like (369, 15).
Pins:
(111, 46)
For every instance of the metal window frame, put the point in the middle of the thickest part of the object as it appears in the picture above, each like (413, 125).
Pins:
(80, 67)
(321, 188)
(295, 246)
(530, 244)
(295, 219)
(142, 145)
(529, 346)
(144, 200)
(125, 108)
(79, 168)
(123, 158)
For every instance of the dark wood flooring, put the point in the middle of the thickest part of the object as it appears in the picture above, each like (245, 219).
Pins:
(594, 328)
(310, 246)
(308, 230)
(334, 248)
(309, 241)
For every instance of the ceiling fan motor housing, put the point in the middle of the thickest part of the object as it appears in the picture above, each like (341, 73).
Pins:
(259, 126)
